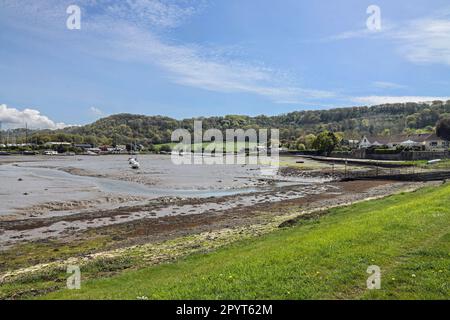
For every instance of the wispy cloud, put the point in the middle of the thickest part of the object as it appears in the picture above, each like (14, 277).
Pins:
(127, 30)
(388, 85)
(96, 111)
(137, 30)
(14, 118)
(353, 34)
(202, 67)
(364, 32)
(377, 100)
(424, 40)
(165, 14)
(160, 13)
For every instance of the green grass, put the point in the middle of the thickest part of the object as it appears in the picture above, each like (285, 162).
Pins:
(444, 164)
(51, 251)
(32, 253)
(50, 279)
(407, 236)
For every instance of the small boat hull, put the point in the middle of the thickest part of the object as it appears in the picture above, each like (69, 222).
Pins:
(134, 164)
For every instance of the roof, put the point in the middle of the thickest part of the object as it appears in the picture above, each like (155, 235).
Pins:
(421, 137)
(83, 145)
(380, 139)
(424, 137)
(57, 143)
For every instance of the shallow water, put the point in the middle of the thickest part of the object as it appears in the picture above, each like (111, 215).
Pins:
(39, 180)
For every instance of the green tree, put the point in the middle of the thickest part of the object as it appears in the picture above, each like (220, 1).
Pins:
(339, 136)
(165, 148)
(443, 128)
(326, 142)
(91, 140)
(309, 140)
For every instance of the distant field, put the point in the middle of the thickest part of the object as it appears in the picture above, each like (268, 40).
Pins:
(237, 145)
(406, 235)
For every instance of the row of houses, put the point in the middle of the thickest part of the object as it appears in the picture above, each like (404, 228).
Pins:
(16, 145)
(83, 146)
(424, 142)
(89, 147)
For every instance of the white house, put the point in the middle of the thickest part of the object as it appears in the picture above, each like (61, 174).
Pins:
(425, 141)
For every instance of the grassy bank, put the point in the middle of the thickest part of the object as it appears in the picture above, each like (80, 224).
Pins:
(407, 235)
(443, 164)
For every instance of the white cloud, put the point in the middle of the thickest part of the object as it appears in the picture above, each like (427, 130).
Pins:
(96, 111)
(159, 13)
(200, 67)
(425, 40)
(376, 100)
(156, 13)
(352, 34)
(386, 27)
(388, 85)
(127, 30)
(14, 118)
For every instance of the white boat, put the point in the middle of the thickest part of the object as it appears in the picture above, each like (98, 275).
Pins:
(50, 153)
(134, 163)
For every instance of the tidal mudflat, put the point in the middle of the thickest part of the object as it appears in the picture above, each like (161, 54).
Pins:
(55, 208)
(47, 197)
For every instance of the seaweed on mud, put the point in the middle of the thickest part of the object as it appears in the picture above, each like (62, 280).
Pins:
(308, 218)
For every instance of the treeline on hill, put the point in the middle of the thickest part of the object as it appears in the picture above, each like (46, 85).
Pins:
(297, 127)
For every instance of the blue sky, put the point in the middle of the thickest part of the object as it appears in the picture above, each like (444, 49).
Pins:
(191, 58)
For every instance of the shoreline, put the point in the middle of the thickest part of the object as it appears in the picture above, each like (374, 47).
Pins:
(153, 230)
(149, 231)
(208, 235)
